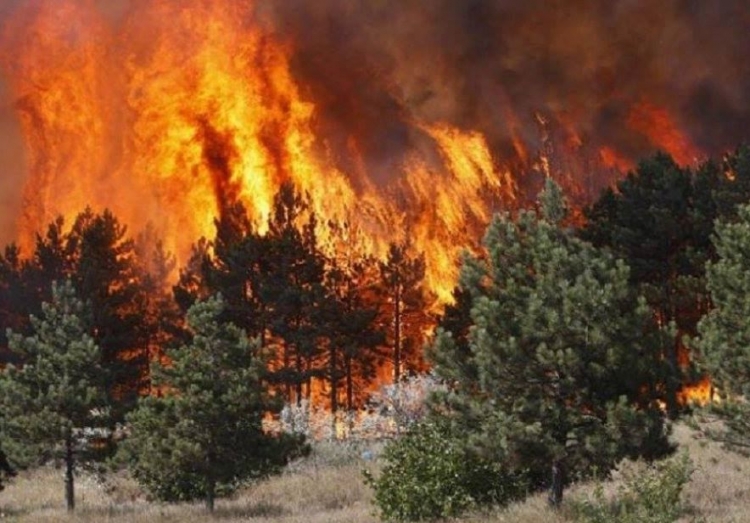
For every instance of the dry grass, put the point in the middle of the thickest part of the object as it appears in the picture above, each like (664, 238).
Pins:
(329, 488)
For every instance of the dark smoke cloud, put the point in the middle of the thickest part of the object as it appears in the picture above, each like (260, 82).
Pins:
(372, 65)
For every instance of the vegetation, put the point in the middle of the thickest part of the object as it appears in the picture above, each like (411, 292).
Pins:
(430, 473)
(54, 402)
(659, 221)
(724, 332)
(655, 495)
(201, 435)
(402, 277)
(328, 487)
(282, 290)
(552, 365)
(560, 376)
(103, 266)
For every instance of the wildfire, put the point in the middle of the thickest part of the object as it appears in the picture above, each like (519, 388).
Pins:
(166, 111)
(700, 393)
(167, 122)
(660, 128)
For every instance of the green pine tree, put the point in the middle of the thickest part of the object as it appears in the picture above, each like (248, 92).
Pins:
(731, 179)
(54, 401)
(724, 341)
(656, 221)
(559, 371)
(100, 260)
(201, 436)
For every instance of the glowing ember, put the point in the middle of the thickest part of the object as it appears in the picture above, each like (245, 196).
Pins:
(699, 393)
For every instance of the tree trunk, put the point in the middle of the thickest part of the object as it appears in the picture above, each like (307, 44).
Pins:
(397, 336)
(557, 484)
(334, 381)
(287, 368)
(210, 483)
(673, 406)
(349, 385)
(210, 495)
(70, 499)
(298, 377)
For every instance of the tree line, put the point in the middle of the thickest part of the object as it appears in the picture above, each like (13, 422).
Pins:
(567, 348)
(561, 347)
(334, 320)
(305, 318)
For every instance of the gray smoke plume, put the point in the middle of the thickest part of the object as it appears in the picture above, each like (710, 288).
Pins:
(494, 65)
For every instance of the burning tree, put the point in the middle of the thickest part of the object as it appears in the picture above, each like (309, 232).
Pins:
(561, 372)
(354, 338)
(403, 276)
(659, 221)
(318, 315)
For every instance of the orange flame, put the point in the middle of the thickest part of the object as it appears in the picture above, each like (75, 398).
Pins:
(183, 108)
(614, 160)
(660, 128)
(170, 110)
(700, 393)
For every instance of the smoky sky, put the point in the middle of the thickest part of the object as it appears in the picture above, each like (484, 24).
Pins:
(492, 65)
(376, 69)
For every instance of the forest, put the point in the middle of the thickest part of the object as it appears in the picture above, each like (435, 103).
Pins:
(575, 338)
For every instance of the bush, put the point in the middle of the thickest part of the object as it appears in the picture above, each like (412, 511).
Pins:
(430, 473)
(652, 496)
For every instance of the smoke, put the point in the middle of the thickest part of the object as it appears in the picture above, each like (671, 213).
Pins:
(627, 76)
(495, 65)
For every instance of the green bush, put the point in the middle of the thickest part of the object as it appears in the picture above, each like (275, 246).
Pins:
(430, 473)
(652, 496)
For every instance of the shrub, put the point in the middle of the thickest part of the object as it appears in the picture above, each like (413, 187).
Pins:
(430, 473)
(651, 496)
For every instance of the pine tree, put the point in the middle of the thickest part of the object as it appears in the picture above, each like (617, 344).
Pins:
(100, 260)
(724, 341)
(656, 221)
(201, 436)
(54, 401)
(15, 305)
(273, 285)
(731, 178)
(105, 271)
(161, 316)
(560, 372)
(192, 284)
(353, 336)
(402, 276)
(293, 292)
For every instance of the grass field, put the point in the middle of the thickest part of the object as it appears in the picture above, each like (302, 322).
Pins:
(328, 488)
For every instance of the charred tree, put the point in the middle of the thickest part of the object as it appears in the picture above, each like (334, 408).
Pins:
(402, 276)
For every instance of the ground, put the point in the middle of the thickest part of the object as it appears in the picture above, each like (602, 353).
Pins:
(328, 488)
